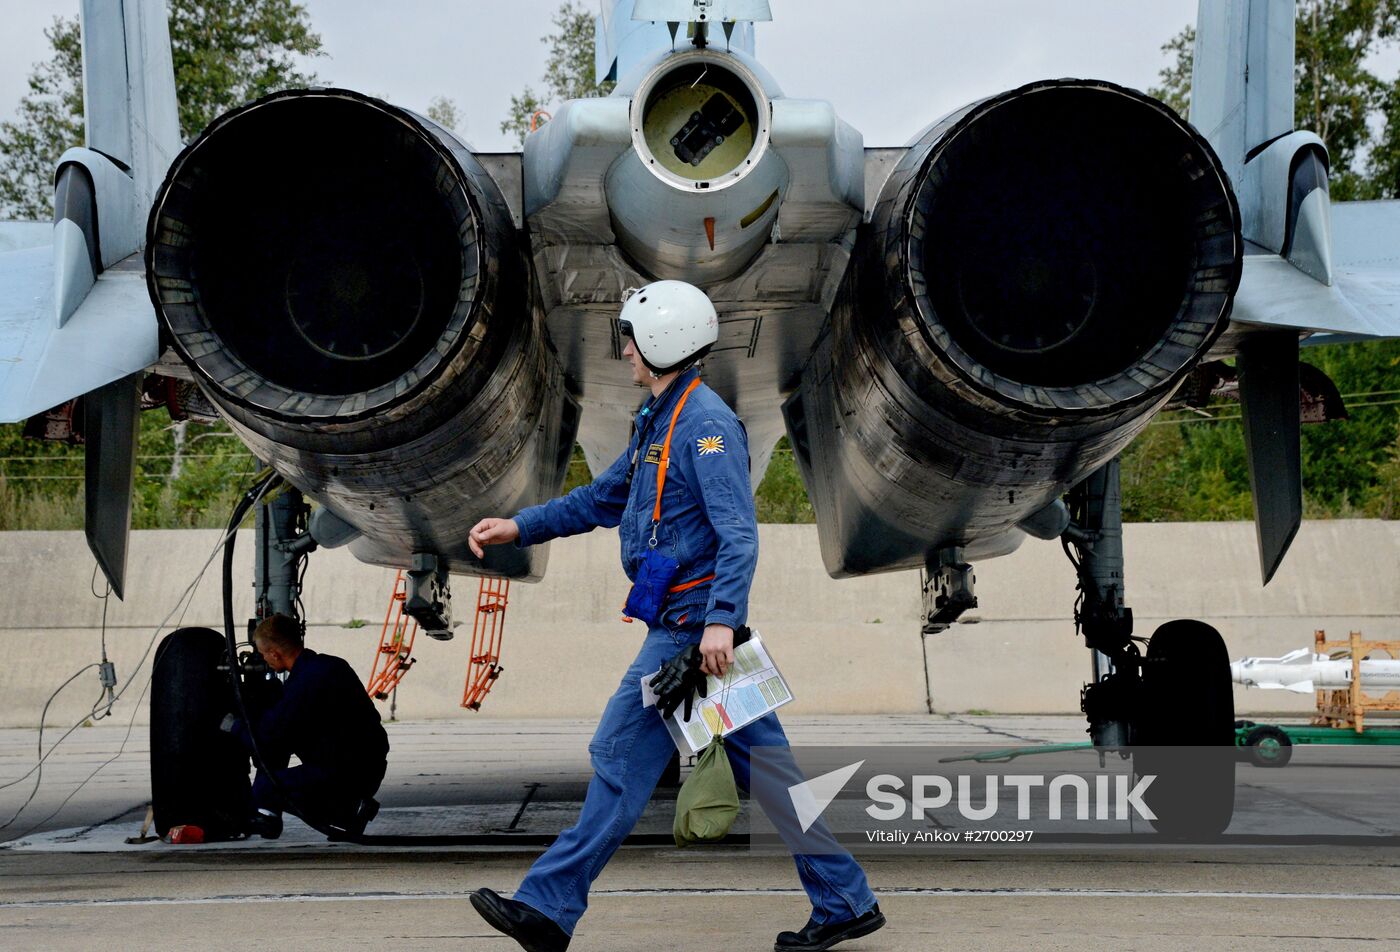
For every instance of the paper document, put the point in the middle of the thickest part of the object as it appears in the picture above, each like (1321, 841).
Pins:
(751, 688)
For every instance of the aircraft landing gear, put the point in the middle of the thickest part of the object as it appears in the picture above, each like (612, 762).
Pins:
(199, 774)
(1174, 707)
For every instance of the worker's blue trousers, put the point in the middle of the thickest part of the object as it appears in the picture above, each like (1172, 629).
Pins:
(330, 795)
(629, 752)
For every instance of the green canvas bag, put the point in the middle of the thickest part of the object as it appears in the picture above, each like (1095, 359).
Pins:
(708, 801)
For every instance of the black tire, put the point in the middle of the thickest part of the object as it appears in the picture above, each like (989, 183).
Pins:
(1268, 746)
(199, 774)
(1187, 731)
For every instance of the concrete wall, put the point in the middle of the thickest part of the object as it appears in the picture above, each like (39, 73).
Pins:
(847, 646)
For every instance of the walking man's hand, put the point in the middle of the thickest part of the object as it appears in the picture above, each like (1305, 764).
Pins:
(492, 532)
(717, 650)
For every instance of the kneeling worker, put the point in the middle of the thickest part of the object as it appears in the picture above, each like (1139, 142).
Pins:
(324, 717)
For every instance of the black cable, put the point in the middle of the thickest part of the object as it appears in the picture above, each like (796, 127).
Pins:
(39, 766)
(104, 665)
(304, 562)
(187, 599)
(131, 722)
(270, 481)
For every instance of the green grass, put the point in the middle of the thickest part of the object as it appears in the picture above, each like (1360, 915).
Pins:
(1179, 469)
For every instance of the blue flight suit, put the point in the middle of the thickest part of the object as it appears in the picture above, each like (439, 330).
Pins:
(708, 526)
(327, 719)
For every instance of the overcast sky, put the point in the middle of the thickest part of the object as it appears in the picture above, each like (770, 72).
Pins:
(888, 66)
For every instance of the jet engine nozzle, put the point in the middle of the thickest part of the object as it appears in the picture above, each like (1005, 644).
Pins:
(321, 254)
(1070, 244)
(1045, 267)
(345, 281)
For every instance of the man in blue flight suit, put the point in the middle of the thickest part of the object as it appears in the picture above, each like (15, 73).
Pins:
(705, 524)
(327, 719)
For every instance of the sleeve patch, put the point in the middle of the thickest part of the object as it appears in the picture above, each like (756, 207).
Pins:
(710, 445)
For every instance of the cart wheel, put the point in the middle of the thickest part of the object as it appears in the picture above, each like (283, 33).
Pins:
(1187, 736)
(1268, 746)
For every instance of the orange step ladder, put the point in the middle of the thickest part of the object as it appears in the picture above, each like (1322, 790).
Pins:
(395, 654)
(484, 662)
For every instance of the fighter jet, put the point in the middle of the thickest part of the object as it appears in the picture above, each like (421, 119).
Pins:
(958, 336)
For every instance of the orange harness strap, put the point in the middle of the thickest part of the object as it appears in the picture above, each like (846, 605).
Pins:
(661, 468)
(665, 462)
(687, 586)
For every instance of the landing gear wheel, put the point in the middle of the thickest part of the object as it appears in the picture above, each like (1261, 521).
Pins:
(1268, 746)
(1186, 738)
(199, 775)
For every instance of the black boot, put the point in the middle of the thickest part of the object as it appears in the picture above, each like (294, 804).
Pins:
(819, 938)
(368, 810)
(264, 824)
(535, 931)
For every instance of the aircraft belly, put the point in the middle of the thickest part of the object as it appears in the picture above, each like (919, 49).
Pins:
(424, 496)
(893, 479)
(770, 317)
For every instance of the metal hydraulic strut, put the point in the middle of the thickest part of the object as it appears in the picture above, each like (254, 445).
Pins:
(1094, 542)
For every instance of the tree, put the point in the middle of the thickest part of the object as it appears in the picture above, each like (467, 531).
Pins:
(1175, 90)
(569, 74)
(225, 53)
(49, 120)
(1336, 95)
(445, 113)
(1184, 467)
(1384, 162)
(228, 52)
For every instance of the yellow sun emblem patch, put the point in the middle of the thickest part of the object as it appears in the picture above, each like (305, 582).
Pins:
(710, 445)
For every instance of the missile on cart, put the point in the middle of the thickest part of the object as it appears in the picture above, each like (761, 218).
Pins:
(1305, 671)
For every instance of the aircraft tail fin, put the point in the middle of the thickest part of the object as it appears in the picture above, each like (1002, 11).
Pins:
(129, 101)
(1242, 76)
(629, 32)
(75, 318)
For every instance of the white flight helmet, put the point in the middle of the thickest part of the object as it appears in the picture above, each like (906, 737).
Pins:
(672, 323)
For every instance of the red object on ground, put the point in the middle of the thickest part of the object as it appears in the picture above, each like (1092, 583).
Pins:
(185, 833)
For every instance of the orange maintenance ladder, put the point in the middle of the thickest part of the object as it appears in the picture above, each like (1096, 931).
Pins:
(484, 662)
(395, 654)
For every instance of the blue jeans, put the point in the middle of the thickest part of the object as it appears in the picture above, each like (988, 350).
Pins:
(629, 751)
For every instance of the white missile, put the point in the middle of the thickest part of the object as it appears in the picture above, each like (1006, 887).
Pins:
(1304, 671)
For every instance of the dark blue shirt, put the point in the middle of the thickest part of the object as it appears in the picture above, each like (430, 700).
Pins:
(325, 717)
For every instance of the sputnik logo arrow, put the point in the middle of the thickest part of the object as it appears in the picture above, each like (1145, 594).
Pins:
(811, 798)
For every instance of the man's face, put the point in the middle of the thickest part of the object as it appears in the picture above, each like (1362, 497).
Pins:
(640, 375)
(275, 659)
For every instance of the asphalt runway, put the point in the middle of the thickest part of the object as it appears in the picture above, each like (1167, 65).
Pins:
(71, 882)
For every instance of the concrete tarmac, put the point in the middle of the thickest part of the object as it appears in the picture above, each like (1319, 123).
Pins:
(67, 891)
